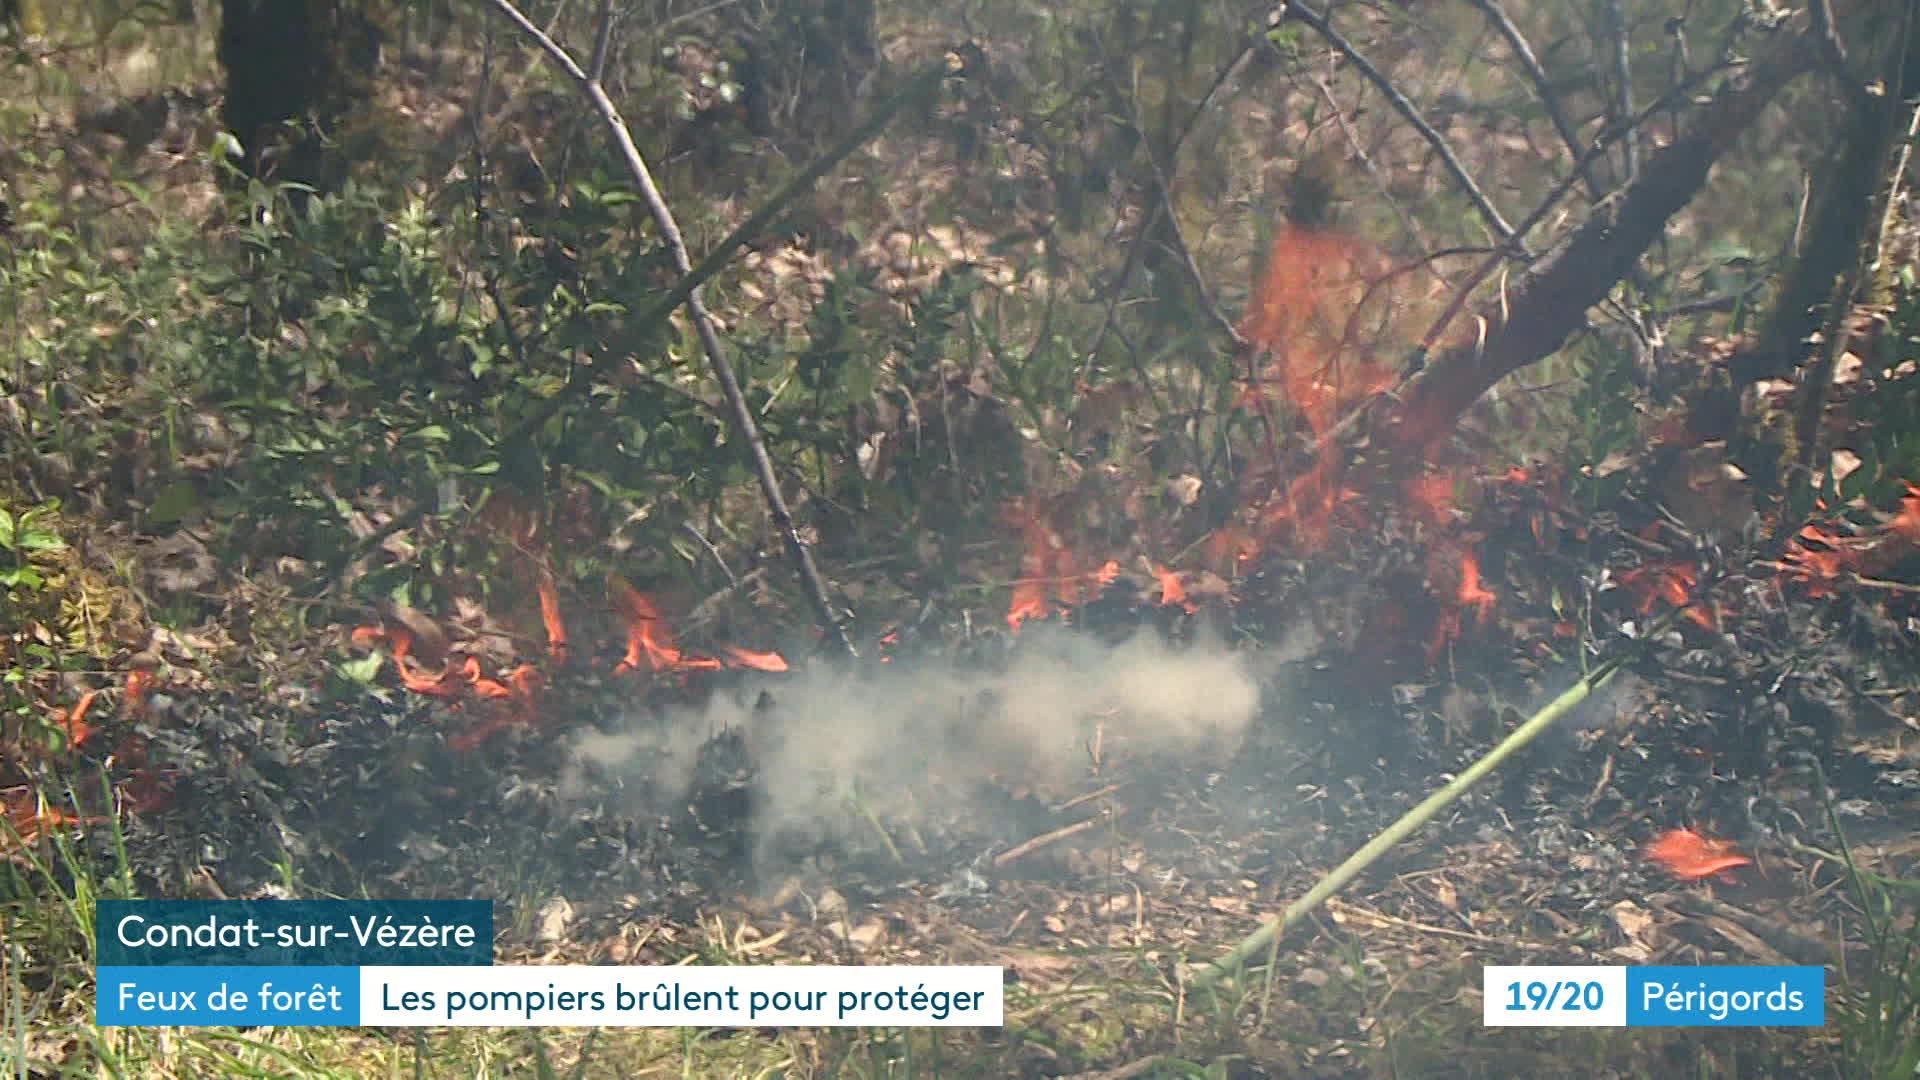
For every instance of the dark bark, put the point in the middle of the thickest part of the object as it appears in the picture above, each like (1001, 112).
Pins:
(293, 68)
(1833, 234)
(1847, 208)
(1535, 316)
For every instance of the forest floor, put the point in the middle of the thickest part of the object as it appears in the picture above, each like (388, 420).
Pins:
(250, 742)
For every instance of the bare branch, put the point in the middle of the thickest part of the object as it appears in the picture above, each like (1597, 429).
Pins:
(1339, 114)
(1137, 248)
(1163, 190)
(602, 40)
(1848, 183)
(1542, 86)
(1406, 109)
(1623, 83)
(717, 258)
(737, 408)
(1533, 318)
(1879, 123)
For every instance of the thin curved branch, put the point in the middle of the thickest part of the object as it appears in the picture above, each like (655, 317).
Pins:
(1542, 86)
(1137, 247)
(1324, 27)
(1534, 317)
(737, 408)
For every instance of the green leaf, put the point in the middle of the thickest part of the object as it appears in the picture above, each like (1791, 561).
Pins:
(1800, 497)
(6, 530)
(362, 671)
(175, 502)
(41, 540)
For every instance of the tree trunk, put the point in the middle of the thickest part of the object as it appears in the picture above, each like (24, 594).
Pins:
(293, 68)
(1535, 316)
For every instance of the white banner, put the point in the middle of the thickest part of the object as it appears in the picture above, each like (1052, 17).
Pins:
(1554, 996)
(744, 996)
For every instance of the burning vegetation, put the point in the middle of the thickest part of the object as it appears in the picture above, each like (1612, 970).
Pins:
(992, 503)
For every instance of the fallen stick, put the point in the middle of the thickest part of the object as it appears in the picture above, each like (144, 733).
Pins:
(1026, 848)
(1082, 800)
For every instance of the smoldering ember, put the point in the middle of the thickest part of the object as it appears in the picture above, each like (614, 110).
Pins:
(1250, 519)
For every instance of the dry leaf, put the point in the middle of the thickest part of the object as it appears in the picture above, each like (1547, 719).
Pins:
(552, 922)
(869, 934)
(1633, 920)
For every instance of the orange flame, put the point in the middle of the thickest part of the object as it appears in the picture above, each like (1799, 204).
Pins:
(1051, 575)
(1231, 546)
(1687, 854)
(550, 616)
(1306, 508)
(75, 721)
(1906, 523)
(1309, 314)
(1432, 495)
(1172, 589)
(32, 816)
(138, 684)
(513, 695)
(1029, 602)
(1672, 582)
(1327, 323)
(649, 637)
(1820, 556)
(756, 661)
(1030, 592)
(1472, 594)
(515, 701)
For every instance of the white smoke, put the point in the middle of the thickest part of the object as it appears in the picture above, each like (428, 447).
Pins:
(904, 739)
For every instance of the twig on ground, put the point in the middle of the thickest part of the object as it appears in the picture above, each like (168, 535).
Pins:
(1044, 840)
(886, 839)
(1082, 800)
(1344, 911)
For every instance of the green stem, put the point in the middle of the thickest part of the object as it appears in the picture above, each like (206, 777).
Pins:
(1337, 879)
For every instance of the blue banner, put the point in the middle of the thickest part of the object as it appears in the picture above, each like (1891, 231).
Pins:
(269, 933)
(1726, 996)
(227, 996)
